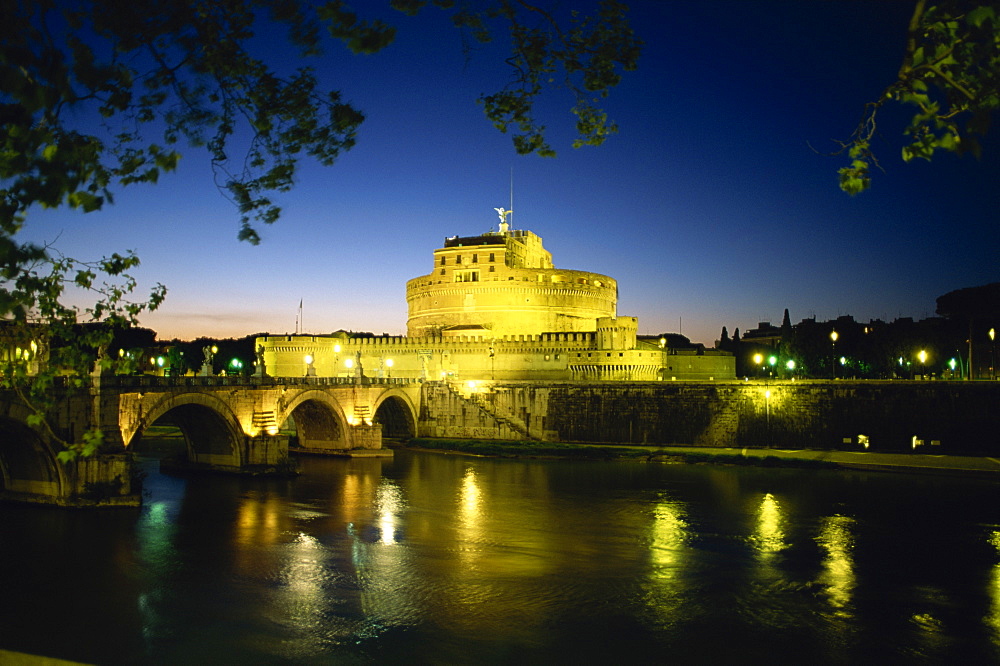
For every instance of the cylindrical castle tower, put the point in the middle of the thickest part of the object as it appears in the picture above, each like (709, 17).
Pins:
(501, 284)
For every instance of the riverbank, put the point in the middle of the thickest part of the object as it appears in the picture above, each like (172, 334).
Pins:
(811, 458)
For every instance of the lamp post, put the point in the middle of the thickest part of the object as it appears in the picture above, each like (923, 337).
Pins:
(772, 361)
(922, 357)
(388, 367)
(993, 354)
(833, 352)
(758, 360)
(310, 370)
(767, 414)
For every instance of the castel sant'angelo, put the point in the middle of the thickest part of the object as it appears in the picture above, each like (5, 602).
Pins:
(494, 307)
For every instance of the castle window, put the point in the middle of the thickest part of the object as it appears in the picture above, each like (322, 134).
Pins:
(466, 276)
(492, 268)
(492, 258)
(458, 258)
(475, 258)
(442, 261)
(442, 271)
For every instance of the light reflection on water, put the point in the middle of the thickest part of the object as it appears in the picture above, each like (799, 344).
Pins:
(769, 536)
(455, 560)
(837, 540)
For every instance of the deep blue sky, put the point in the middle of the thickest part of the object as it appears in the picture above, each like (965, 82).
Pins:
(709, 207)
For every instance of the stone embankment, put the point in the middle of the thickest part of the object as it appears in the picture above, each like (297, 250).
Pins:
(935, 417)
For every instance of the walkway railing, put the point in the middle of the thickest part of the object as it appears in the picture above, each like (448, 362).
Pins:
(151, 381)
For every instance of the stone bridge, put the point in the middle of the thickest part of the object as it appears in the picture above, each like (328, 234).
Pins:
(228, 424)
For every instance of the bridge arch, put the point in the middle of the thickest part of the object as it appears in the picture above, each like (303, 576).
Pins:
(396, 413)
(212, 433)
(28, 464)
(319, 420)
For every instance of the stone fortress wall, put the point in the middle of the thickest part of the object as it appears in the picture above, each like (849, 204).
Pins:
(495, 308)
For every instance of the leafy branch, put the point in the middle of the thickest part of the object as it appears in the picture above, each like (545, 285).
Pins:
(49, 347)
(950, 73)
(584, 54)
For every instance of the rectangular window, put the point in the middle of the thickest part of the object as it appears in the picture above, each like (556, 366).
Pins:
(475, 258)
(492, 258)
(442, 261)
(466, 276)
(492, 268)
(458, 258)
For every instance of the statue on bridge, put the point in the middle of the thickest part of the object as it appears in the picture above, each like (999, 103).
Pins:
(206, 366)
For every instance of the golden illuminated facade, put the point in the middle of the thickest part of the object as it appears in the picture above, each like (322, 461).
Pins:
(503, 283)
(495, 308)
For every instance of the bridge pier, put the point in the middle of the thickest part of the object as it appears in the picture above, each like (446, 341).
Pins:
(100, 480)
(267, 454)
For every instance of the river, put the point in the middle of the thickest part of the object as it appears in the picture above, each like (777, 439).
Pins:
(430, 558)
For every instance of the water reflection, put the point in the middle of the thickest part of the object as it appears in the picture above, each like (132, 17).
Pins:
(993, 618)
(836, 538)
(389, 504)
(665, 589)
(668, 532)
(769, 536)
(440, 559)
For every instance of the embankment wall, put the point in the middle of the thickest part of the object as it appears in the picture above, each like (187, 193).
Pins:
(945, 417)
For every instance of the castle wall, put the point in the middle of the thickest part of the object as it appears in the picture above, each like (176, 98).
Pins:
(549, 356)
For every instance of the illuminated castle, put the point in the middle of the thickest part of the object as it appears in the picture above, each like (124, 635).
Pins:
(503, 283)
(494, 307)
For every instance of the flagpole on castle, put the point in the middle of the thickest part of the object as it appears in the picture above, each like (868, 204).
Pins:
(299, 324)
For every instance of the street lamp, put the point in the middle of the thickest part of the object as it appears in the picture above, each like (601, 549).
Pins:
(388, 367)
(310, 370)
(922, 357)
(993, 354)
(833, 352)
(758, 359)
(772, 361)
(767, 414)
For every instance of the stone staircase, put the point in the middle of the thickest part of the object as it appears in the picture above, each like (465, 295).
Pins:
(487, 408)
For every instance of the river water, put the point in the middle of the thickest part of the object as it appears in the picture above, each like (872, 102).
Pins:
(430, 558)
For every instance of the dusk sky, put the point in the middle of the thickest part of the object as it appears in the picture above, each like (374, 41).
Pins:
(709, 207)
